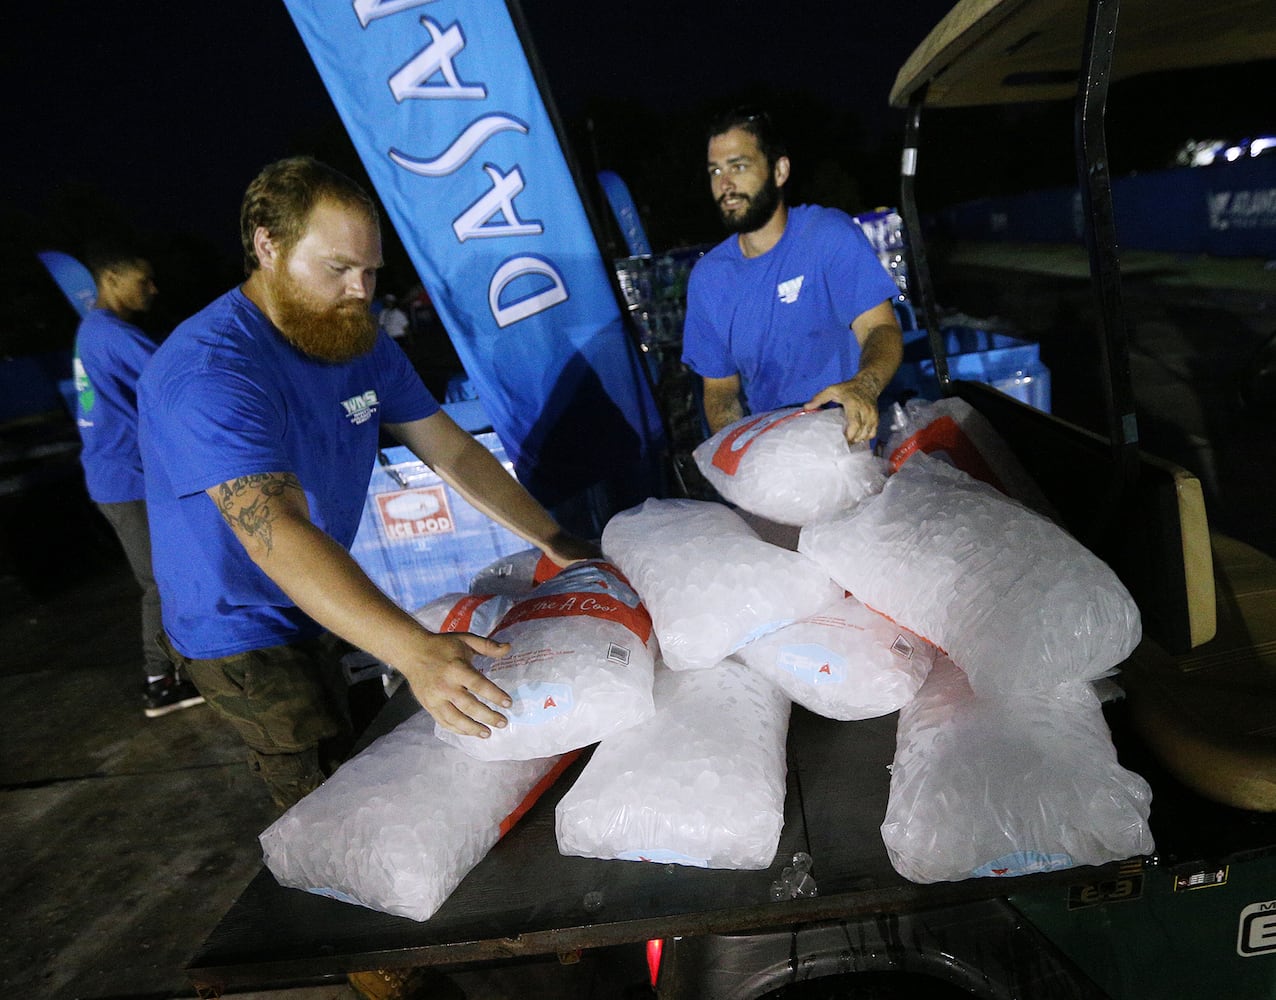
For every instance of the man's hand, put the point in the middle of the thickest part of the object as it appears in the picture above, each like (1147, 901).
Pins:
(859, 408)
(565, 548)
(444, 681)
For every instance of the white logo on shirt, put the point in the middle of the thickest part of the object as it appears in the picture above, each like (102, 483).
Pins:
(359, 409)
(789, 289)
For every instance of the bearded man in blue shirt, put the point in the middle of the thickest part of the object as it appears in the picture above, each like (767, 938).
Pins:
(260, 427)
(794, 308)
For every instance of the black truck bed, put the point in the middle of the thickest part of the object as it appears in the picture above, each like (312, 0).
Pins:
(526, 899)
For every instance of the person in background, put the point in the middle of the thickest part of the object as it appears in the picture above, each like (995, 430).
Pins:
(110, 353)
(794, 308)
(392, 319)
(260, 422)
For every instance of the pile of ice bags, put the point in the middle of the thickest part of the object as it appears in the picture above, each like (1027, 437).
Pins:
(1016, 601)
(579, 666)
(711, 584)
(1008, 786)
(398, 826)
(676, 789)
(792, 466)
(1026, 612)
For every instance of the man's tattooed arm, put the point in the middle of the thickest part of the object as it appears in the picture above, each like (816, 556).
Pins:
(252, 504)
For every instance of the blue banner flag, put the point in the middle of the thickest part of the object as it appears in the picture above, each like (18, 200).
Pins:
(446, 115)
(72, 277)
(625, 211)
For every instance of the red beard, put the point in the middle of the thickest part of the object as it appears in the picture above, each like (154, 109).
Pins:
(336, 334)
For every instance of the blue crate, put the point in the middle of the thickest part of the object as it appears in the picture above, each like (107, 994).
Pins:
(1004, 362)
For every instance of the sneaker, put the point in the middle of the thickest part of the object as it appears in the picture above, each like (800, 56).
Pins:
(169, 694)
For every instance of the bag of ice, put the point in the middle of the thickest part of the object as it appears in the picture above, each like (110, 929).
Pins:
(676, 789)
(710, 582)
(843, 662)
(1015, 600)
(1008, 786)
(791, 466)
(579, 666)
(398, 826)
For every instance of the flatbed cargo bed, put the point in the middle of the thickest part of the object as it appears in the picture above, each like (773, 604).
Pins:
(526, 899)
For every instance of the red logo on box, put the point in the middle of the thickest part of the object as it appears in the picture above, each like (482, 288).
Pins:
(408, 514)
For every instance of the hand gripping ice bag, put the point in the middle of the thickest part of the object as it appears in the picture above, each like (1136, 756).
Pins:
(1008, 786)
(1015, 600)
(710, 583)
(476, 613)
(844, 662)
(792, 466)
(579, 666)
(398, 826)
(701, 783)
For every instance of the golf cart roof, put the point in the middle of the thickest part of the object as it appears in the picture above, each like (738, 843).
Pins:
(1010, 51)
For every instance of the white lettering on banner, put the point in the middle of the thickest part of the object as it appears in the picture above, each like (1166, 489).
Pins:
(530, 305)
(456, 155)
(369, 10)
(411, 80)
(476, 221)
(1242, 209)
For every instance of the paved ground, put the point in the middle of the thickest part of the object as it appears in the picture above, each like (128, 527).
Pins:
(127, 839)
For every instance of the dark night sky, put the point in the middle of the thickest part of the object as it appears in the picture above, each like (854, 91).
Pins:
(170, 108)
(165, 110)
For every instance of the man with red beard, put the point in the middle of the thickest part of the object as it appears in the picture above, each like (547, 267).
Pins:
(794, 308)
(260, 421)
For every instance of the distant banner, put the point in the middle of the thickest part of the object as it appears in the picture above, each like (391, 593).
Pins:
(72, 277)
(444, 111)
(625, 211)
(1226, 210)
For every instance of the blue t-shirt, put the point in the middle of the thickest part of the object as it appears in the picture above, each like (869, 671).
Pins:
(226, 396)
(109, 356)
(782, 321)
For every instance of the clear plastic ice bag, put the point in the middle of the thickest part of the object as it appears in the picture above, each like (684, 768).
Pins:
(398, 826)
(1015, 600)
(1008, 786)
(515, 574)
(710, 582)
(475, 613)
(579, 666)
(844, 662)
(701, 783)
(791, 466)
(954, 431)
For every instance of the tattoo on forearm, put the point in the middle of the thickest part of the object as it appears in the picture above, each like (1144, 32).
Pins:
(245, 503)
